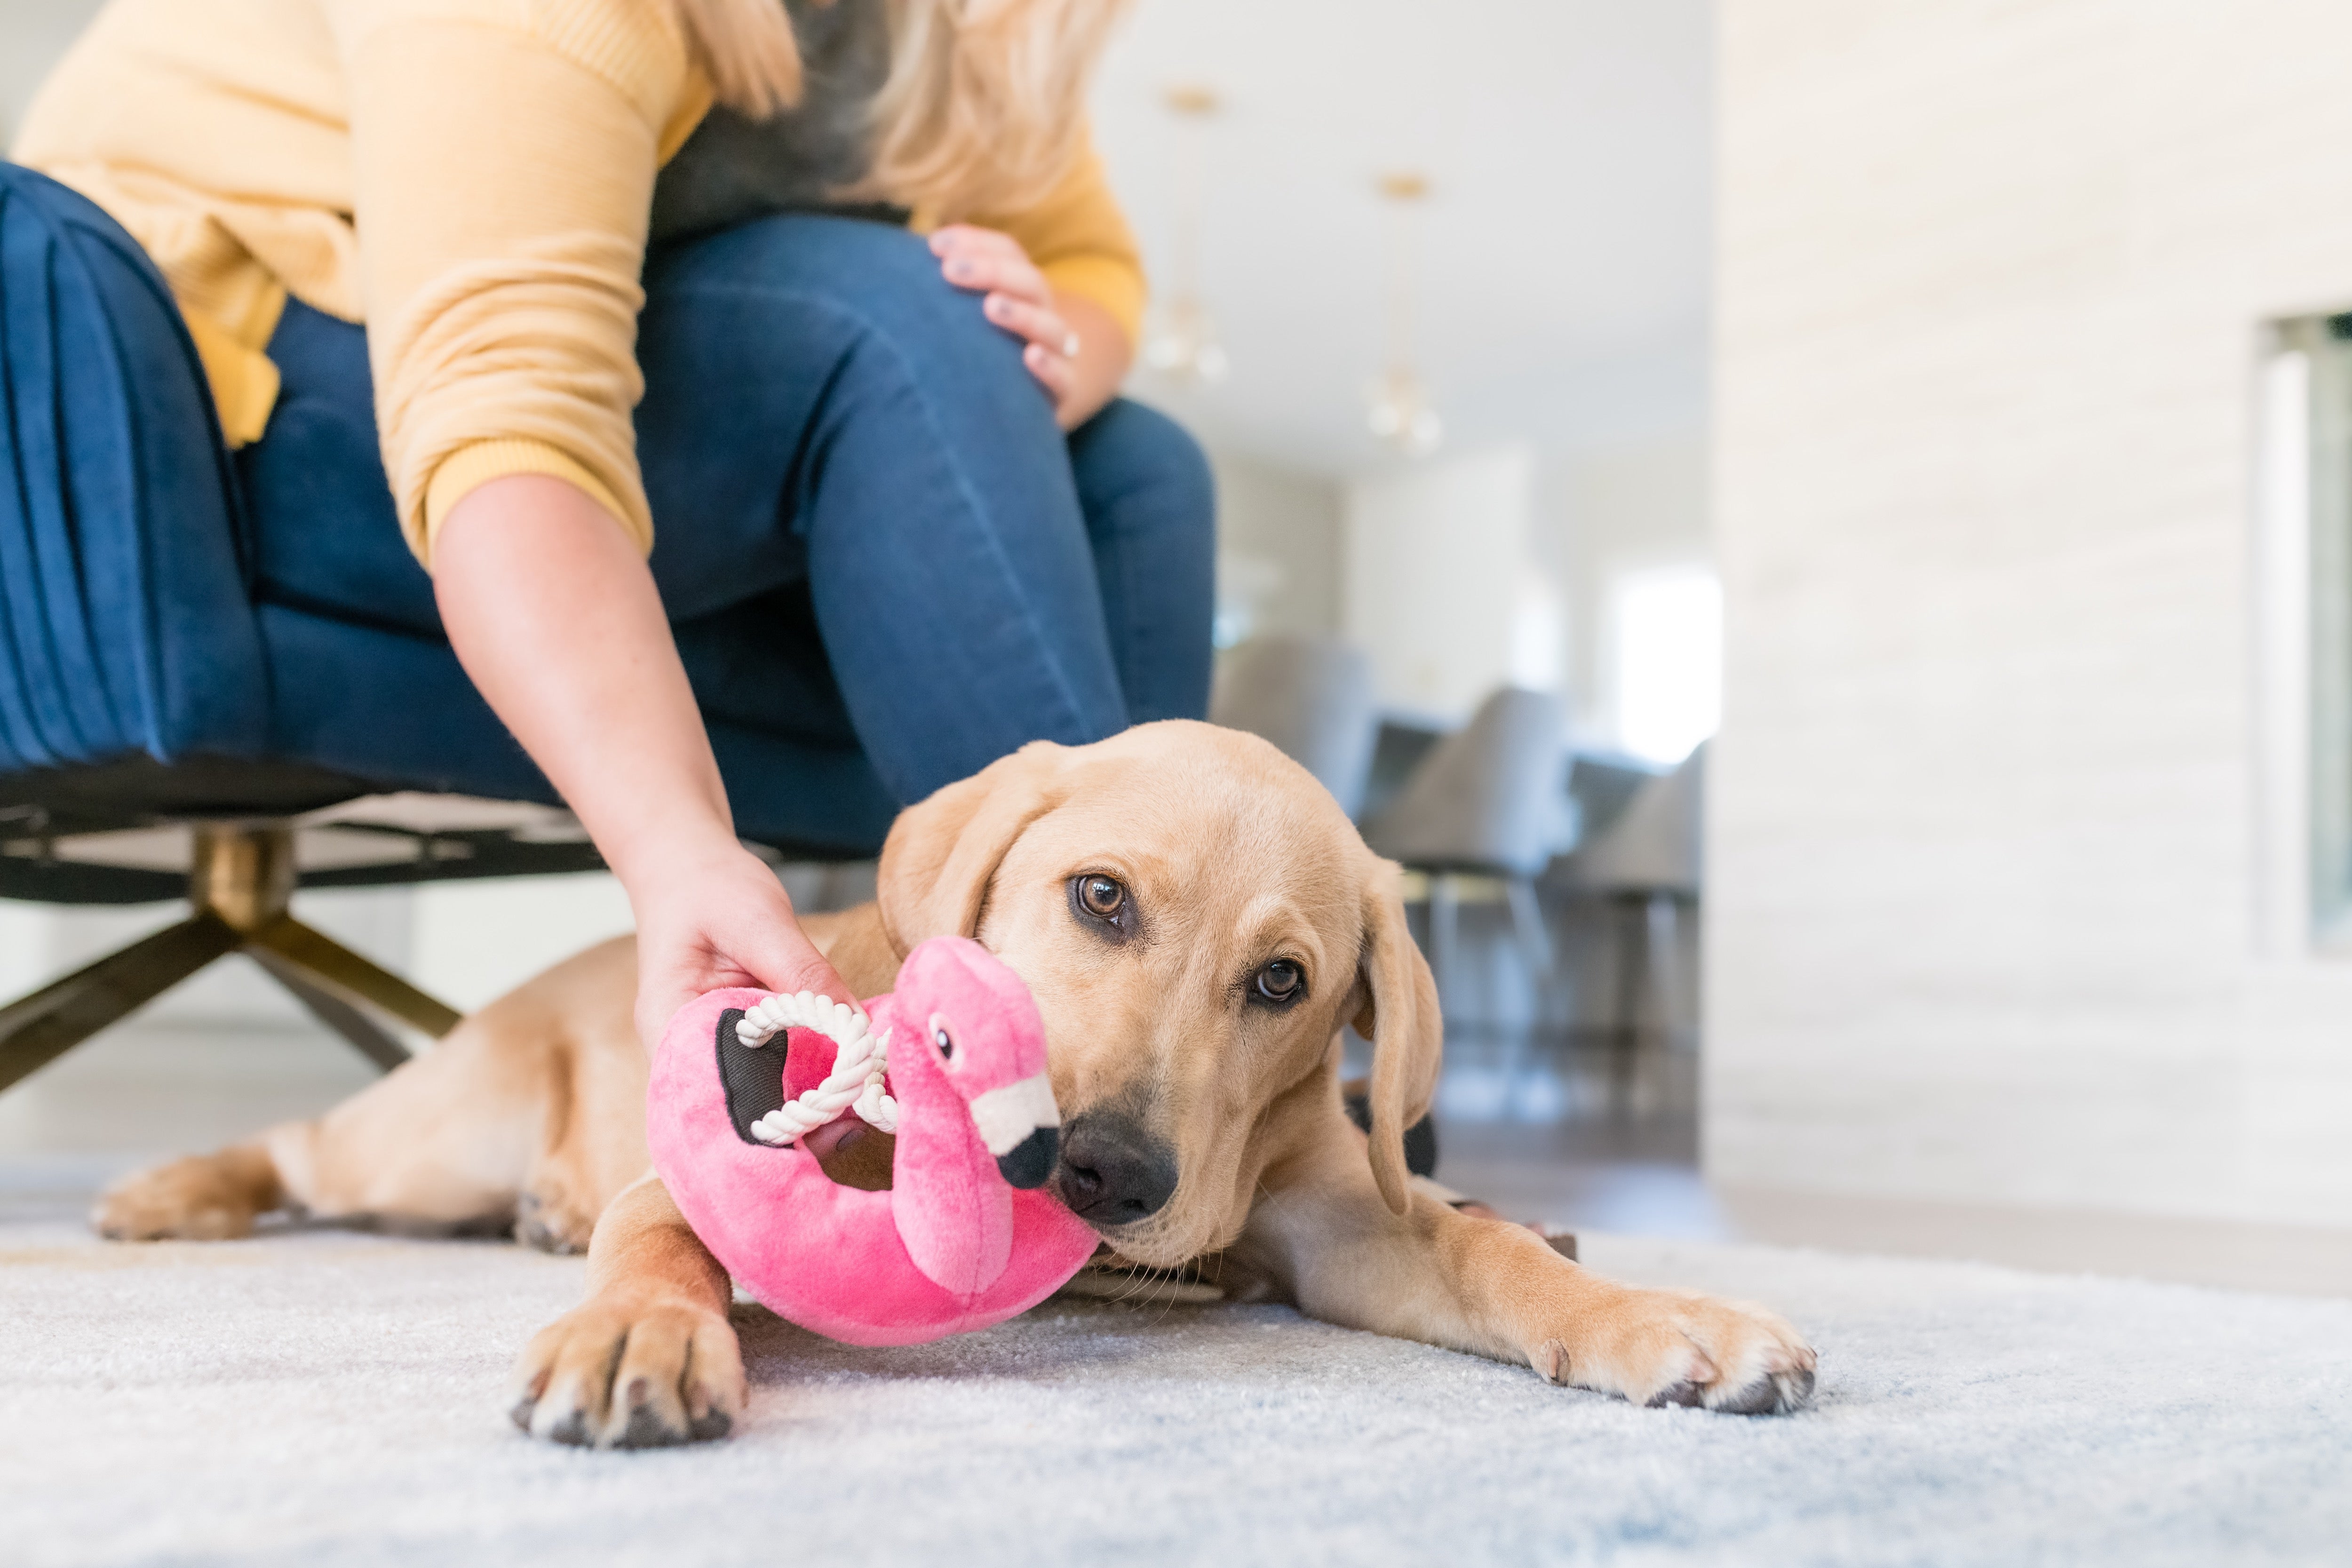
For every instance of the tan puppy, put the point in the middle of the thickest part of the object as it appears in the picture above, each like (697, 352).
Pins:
(1197, 919)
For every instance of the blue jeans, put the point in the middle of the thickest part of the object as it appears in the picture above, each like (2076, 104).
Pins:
(868, 531)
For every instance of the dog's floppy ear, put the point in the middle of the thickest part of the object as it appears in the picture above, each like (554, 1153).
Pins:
(1399, 1017)
(943, 851)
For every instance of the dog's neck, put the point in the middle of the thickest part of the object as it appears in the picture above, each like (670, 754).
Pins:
(858, 946)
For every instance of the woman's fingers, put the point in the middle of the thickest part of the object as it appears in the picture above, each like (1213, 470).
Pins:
(783, 960)
(1052, 348)
(1017, 297)
(755, 931)
(781, 965)
(1040, 324)
(985, 261)
(999, 275)
(964, 239)
(729, 923)
(1055, 371)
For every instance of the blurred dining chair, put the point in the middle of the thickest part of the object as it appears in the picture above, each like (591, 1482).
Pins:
(1312, 698)
(1486, 802)
(1645, 868)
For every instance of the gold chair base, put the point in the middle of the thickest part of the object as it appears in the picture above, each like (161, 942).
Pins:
(241, 885)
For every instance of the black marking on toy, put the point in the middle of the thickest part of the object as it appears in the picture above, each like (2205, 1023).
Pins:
(753, 1076)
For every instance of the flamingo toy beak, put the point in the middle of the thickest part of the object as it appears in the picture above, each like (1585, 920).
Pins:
(1030, 1162)
(1022, 1128)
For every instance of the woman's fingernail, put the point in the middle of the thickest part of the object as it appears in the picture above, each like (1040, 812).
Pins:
(958, 268)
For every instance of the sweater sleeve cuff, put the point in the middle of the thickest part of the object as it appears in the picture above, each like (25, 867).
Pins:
(469, 467)
(244, 382)
(1112, 284)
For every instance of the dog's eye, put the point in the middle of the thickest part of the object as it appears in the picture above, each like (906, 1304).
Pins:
(1280, 982)
(1102, 905)
(1103, 897)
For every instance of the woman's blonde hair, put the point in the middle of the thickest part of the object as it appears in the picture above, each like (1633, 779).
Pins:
(984, 108)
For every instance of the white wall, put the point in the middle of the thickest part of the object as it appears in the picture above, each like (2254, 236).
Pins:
(475, 941)
(1622, 508)
(1278, 549)
(1443, 585)
(1983, 813)
(33, 34)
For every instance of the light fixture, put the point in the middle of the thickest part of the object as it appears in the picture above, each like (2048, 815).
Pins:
(1397, 404)
(1181, 343)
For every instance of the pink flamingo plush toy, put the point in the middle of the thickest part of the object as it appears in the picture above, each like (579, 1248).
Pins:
(953, 1061)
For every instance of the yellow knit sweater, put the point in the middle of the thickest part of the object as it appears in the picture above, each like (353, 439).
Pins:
(471, 178)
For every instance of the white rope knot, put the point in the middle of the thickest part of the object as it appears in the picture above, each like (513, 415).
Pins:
(854, 1084)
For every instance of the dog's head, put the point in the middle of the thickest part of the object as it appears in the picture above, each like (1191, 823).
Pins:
(1196, 918)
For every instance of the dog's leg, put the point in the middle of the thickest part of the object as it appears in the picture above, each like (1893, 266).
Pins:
(535, 1103)
(1327, 1241)
(649, 1358)
(441, 1142)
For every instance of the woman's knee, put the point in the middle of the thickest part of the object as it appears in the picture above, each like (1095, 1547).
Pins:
(880, 286)
(821, 371)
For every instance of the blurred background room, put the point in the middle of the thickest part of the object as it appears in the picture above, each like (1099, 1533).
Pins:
(1819, 534)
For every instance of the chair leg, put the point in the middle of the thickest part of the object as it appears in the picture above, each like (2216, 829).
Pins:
(1535, 952)
(38, 1029)
(1445, 925)
(1633, 970)
(1663, 919)
(370, 1039)
(241, 879)
(1535, 937)
(329, 965)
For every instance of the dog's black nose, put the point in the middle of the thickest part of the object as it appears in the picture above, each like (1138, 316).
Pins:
(1113, 1172)
(1028, 1163)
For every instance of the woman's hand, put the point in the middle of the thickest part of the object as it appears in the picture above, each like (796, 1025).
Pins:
(727, 922)
(1074, 348)
(601, 703)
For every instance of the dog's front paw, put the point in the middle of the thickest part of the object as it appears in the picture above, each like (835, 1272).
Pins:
(1679, 1347)
(612, 1375)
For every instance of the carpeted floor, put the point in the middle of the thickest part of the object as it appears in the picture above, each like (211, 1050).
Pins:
(325, 1398)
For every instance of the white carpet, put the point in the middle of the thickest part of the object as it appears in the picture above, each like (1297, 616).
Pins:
(325, 1398)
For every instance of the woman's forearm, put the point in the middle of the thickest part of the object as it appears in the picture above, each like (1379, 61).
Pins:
(552, 611)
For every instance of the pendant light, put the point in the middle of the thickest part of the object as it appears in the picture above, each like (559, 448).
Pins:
(1398, 409)
(1181, 343)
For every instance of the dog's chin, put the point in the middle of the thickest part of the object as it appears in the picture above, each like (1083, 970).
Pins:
(1152, 1243)
(1148, 1243)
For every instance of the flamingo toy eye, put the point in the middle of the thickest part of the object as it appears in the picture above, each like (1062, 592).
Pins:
(945, 1045)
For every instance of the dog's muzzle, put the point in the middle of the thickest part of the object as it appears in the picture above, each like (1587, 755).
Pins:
(1022, 1128)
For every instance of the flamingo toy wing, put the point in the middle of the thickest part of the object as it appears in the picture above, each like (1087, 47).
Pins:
(953, 1060)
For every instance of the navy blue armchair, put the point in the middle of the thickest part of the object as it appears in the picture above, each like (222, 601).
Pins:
(224, 641)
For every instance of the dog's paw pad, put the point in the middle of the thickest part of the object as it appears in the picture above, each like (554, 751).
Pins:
(1687, 1393)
